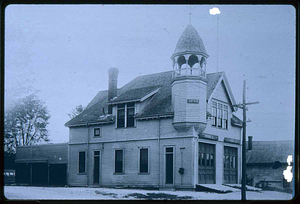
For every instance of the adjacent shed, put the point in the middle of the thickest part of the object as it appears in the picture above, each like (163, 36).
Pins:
(42, 165)
(266, 161)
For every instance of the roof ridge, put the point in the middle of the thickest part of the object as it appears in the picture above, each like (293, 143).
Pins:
(154, 73)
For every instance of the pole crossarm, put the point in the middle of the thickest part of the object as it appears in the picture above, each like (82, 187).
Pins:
(241, 105)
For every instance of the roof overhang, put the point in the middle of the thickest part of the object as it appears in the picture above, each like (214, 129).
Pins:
(149, 117)
(38, 160)
(90, 123)
(189, 52)
(135, 100)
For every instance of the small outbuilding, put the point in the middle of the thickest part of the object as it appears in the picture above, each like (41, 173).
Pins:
(42, 165)
(266, 162)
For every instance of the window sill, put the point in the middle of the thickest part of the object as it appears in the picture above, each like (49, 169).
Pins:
(121, 128)
(81, 173)
(118, 173)
(143, 173)
(219, 128)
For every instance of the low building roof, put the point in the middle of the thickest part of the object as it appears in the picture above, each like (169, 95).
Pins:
(159, 104)
(264, 152)
(45, 153)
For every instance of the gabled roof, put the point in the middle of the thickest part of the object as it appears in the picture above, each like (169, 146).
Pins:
(159, 103)
(270, 151)
(223, 78)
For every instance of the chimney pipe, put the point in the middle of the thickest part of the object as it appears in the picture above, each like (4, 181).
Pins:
(250, 142)
(112, 82)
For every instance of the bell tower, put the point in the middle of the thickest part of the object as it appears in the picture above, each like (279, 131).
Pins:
(189, 82)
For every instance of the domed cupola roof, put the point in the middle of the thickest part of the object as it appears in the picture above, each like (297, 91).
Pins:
(190, 43)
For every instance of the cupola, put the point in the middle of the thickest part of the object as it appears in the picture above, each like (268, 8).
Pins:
(189, 58)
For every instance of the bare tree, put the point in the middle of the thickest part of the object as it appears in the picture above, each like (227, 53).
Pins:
(25, 123)
(76, 111)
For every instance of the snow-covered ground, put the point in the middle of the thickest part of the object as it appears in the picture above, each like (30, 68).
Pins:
(76, 193)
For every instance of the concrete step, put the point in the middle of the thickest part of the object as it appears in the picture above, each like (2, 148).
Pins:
(239, 186)
(215, 188)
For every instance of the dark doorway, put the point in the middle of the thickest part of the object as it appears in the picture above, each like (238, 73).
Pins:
(169, 165)
(57, 174)
(230, 164)
(22, 173)
(39, 174)
(206, 163)
(96, 167)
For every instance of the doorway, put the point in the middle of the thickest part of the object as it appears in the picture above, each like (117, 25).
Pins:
(96, 167)
(169, 164)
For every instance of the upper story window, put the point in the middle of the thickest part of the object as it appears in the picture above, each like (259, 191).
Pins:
(97, 132)
(125, 115)
(219, 115)
(214, 114)
(225, 117)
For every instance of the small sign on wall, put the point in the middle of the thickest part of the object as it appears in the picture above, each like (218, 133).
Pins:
(193, 101)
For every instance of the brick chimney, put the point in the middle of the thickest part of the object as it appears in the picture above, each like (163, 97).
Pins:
(112, 82)
(250, 142)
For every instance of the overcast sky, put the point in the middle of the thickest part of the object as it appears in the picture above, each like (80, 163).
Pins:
(64, 51)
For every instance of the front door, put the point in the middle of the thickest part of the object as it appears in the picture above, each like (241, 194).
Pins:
(230, 164)
(169, 165)
(206, 163)
(96, 167)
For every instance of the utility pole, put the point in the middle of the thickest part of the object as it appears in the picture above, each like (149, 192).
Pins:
(244, 107)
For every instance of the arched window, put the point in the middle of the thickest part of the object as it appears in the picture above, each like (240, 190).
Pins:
(202, 61)
(193, 59)
(181, 60)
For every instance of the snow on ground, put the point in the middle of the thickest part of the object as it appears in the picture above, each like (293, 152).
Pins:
(78, 193)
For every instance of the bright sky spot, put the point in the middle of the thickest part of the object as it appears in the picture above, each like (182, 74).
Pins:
(214, 11)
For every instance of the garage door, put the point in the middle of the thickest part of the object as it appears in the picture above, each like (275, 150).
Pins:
(230, 164)
(206, 163)
(39, 174)
(57, 174)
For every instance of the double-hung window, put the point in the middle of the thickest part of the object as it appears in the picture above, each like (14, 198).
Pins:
(144, 160)
(214, 114)
(130, 115)
(220, 115)
(121, 116)
(225, 117)
(125, 115)
(119, 157)
(81, 166)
